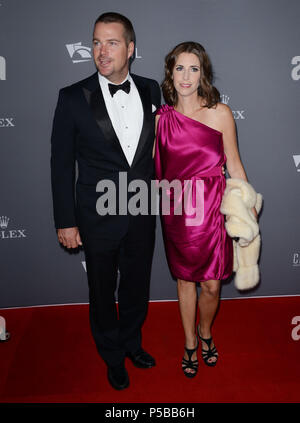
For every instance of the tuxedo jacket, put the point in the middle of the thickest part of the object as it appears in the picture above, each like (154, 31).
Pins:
(83, 133)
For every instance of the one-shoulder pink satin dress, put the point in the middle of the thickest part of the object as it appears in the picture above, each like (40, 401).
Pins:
(196, 243)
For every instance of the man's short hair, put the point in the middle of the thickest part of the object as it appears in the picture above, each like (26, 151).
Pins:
(111, 17)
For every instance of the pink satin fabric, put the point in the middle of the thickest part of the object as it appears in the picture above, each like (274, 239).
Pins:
(197, 246)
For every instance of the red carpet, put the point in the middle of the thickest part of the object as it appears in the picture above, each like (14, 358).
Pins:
(51, 357)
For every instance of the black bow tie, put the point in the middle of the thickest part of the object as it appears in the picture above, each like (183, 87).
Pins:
(114, 88)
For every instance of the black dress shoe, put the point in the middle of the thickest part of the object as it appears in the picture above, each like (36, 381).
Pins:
(118, 377)
(141, 359)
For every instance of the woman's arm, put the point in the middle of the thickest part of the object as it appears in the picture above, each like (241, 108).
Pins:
(234, 164)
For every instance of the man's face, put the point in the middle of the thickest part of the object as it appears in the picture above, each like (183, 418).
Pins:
(111, 52)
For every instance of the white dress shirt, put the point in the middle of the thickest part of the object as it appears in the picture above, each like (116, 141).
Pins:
(126, 114)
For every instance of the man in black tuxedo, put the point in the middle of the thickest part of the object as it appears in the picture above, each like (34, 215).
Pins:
(105, 123)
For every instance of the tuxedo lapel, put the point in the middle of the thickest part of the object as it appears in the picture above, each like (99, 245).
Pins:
(95, 99)
(147, 122)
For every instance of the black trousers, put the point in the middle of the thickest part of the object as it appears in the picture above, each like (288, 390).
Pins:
(117, 330)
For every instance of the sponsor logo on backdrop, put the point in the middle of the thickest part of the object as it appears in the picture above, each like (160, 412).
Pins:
(7, 122)
(6, 233)
(84, 266)
(237, 114)
(137, 56)
(295, 74)
(79, 53)
(296, 259)
(297, 161)
(296, 330)
(2, 69)
(225, 98)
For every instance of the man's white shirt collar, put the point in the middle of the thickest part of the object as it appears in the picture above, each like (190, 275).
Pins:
(126, 114)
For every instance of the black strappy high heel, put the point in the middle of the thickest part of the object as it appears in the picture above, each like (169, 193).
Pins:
(211, 352)
(189, 363)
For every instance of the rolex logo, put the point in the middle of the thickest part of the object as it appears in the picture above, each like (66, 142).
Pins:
(12, 233)
(4, 222)
(225, 98)
(237, 114)
(7, 122)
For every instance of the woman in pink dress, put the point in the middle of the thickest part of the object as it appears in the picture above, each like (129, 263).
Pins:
(195, 137)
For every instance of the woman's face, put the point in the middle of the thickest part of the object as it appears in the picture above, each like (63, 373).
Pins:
(186, 74)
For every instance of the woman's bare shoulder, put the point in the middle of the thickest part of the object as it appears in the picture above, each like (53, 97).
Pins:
(224, 114)
(223, 109)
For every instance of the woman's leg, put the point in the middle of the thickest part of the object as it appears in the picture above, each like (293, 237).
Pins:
(187, 296)
(208, 301)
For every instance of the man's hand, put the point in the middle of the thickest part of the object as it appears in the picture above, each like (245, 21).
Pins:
(69, 237)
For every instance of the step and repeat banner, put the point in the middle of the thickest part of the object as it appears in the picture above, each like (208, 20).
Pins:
(45, 45)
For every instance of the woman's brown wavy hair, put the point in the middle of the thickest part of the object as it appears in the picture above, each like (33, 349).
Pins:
(206, 90)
